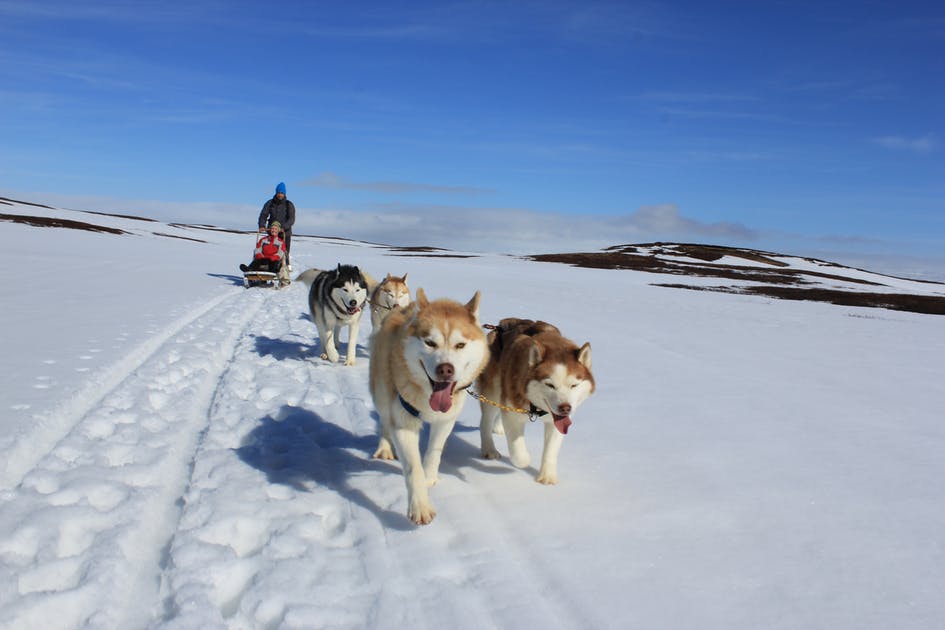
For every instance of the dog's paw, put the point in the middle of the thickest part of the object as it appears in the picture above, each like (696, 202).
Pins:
(421, 512)
(548, 479)
(349, 362)
(490, 454)
(384, 451)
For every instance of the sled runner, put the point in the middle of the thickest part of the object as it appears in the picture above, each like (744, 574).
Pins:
(260, 279)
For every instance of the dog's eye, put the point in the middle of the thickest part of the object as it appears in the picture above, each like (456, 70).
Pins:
(430, 343)
(573, 385)
(461, 345)
(549, 385)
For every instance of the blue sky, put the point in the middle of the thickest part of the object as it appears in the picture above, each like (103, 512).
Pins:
(799, 126)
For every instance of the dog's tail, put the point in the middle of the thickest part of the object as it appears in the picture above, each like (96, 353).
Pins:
(308, 276)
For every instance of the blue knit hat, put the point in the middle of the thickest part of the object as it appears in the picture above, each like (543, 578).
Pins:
(280, 188)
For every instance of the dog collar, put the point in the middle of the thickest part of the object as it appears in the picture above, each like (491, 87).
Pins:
(413, 411)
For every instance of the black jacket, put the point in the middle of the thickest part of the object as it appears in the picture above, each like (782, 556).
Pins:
(282, 211)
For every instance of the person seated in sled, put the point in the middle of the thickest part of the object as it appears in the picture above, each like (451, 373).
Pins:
(269, 253)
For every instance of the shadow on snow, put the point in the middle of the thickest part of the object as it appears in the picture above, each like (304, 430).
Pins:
(283, 349)
(235, 280)
(299, 447)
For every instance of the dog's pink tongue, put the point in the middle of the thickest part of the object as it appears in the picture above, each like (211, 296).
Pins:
(442, 397)
(562, 423)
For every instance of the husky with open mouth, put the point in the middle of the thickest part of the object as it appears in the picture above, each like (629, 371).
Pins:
(423, 359)
(534, 372)
(391, 292)
(336, 298)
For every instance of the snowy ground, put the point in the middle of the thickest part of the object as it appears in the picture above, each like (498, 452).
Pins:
(175, 455)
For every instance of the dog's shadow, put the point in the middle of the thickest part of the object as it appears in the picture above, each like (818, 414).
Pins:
(298, 447)
(301, 447)
(283, 349)
(458, 454)
(360, 351)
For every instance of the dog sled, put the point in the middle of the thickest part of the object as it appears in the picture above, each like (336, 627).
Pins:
(269, 253)
(262, 279)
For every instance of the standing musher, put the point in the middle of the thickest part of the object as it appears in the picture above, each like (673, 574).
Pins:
(280, 209)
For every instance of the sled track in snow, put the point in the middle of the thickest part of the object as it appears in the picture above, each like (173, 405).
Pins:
(273, 520)
(225, 480)
(56, 423)
(92, 515)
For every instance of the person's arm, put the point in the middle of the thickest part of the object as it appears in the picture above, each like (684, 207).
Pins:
(264, 216)
(290, 211)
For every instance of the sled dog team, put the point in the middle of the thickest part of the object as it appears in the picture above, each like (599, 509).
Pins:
(426, 354)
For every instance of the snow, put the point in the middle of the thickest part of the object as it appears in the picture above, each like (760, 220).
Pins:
(176, 455)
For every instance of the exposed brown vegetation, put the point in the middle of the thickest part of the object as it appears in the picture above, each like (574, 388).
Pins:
(121, 216)
(183, 238)
(58, 223)
(609, 259)
(773, 278)
(778, 281)
(9, 202)
(927, 304)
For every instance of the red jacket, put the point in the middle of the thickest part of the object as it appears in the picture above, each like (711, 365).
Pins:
(270, 248)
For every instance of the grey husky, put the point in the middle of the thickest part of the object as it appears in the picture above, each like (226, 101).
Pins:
(336, 298)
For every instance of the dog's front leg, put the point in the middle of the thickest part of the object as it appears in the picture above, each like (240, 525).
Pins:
(514, 424)
(487, 421)
(353, 340)
(385, 448)
(407, 443)
(439, 431)
(327, 334)
(548, 474)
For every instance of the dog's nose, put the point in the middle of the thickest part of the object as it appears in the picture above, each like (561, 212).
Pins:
(564, 410)
(444, 372)
(352, 302)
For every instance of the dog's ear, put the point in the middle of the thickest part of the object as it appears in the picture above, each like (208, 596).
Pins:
(405, 278)
(473, 305)
(584, 355)
(422, 300)
(535, 353)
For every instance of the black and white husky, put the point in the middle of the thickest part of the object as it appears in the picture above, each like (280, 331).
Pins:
(337, 298)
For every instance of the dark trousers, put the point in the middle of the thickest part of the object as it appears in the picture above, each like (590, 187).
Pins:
(261, 264)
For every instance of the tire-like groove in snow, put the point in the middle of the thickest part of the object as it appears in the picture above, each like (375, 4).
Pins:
(52, 425)
(92, 517)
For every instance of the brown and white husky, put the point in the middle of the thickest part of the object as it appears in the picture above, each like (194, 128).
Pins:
(391, 292)
(422, 360)
(533, 372)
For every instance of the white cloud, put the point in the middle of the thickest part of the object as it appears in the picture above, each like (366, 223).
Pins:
(922, 144)
(462, 228)
(331, 180)
(513, 230)
(666, 219)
